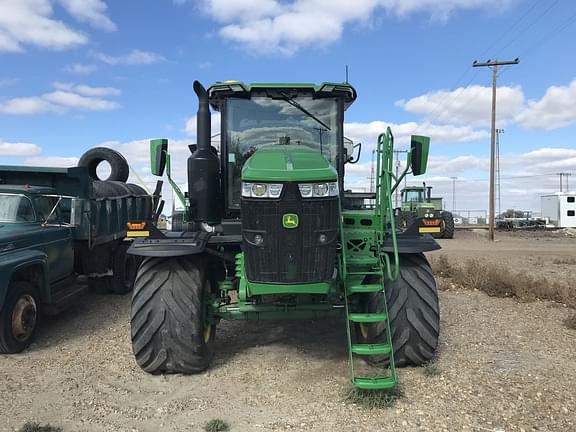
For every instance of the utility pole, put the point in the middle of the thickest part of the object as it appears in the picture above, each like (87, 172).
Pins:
(397, 153)
(498, 132)
(494, 65)
(567, 188)
(562, 183)
(453, 193)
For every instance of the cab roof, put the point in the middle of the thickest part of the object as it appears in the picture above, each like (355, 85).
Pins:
(220, 91)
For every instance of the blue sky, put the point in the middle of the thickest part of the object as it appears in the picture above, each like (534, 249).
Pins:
(81, 73)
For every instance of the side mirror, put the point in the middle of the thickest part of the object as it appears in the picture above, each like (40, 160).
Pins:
(158, 150)
(419, 146)
(76, 207)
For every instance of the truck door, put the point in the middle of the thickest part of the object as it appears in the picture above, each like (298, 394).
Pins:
(57, 238)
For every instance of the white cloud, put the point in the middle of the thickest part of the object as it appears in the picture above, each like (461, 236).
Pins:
(87, 90)
(80, 69)
(367, 133)
(52, 161)
(30, 22)
(191, 124)
(556, 109)
(92, 12)
(18, 149)
(274, 26)
(470, 105)
(134, 57)
(66, 97)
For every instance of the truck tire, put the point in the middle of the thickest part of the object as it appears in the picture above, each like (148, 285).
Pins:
(448, 219)
(413, 312)
(170, 333)
(118, 166)
(404, 220)
(124, 268)
(19, 318)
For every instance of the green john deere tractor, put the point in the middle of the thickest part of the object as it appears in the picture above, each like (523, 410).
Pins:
(418, 207)
(268, 235)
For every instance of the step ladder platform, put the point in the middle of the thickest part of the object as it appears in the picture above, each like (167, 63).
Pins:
(367, 317)
(376, 383)
(371, 349)
(367, 288)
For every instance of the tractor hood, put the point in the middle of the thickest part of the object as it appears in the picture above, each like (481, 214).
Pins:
(287, 163)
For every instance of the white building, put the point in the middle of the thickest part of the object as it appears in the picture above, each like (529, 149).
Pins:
(560, 209)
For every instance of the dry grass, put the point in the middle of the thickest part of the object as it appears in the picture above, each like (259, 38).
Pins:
(565, 261)
(498, 281)
(431, 369)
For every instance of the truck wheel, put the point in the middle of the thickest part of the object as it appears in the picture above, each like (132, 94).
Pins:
(18, 318)
(118, 166)
(448, 222)
(124, 268)
(169, 325)
(413, 312)
(404, 220)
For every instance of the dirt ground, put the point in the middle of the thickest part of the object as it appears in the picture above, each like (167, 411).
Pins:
(503, 366)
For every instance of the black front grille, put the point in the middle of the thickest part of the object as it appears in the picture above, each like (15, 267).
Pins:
(290, 255)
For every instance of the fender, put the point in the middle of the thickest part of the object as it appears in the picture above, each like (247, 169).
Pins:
(11, 262)
(170, 244)
(411, 241)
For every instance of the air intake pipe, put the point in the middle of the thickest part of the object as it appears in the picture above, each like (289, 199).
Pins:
(204, 168)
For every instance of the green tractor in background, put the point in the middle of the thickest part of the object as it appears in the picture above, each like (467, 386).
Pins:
(268, 234)
(418, 207)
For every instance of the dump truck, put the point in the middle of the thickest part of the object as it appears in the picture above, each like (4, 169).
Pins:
(268, 235)
(420, 208)
(63, 230)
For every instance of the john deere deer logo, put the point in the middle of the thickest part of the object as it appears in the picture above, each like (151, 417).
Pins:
(290, 220)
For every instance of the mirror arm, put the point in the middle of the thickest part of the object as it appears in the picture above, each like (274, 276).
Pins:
(177, 190)
(399, 179)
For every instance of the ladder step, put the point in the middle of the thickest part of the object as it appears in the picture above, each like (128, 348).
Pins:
(367, 317)
(364, 260)
(371, 349)
(368, 288)
(377, 383)
(365, 272)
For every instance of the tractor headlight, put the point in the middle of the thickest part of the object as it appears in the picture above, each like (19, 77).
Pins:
(318, 190)
(261, 190)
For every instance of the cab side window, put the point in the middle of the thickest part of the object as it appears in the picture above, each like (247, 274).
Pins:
(44, 206)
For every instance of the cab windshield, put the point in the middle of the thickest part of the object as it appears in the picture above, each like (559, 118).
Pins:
(261, 120)
(16, 208)
(414, 196)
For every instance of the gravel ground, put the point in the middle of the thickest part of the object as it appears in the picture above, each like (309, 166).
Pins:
(503, 366)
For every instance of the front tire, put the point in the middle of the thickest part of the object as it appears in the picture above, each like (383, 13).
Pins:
(448, 222)
(19, 318)
(413, 312)
(169, 327)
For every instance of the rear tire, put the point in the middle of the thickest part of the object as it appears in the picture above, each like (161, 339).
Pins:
(124, 268)
(404, 220)
(19, 318)
(169, 330)
(448, 219)
(413, 312)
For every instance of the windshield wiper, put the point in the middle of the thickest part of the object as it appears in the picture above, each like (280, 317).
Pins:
(295, 104)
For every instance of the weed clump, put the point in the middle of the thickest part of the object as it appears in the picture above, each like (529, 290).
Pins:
(431, 369)
(37, 427)
(570, 322)
(374, 399)
(217, 425)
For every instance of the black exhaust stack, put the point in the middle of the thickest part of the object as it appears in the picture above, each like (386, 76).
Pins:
(204, 168)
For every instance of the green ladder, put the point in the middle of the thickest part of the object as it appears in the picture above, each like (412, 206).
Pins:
(354, 288)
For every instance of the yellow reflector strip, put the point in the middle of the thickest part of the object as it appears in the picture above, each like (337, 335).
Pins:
(138, 234)
(429, 230)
